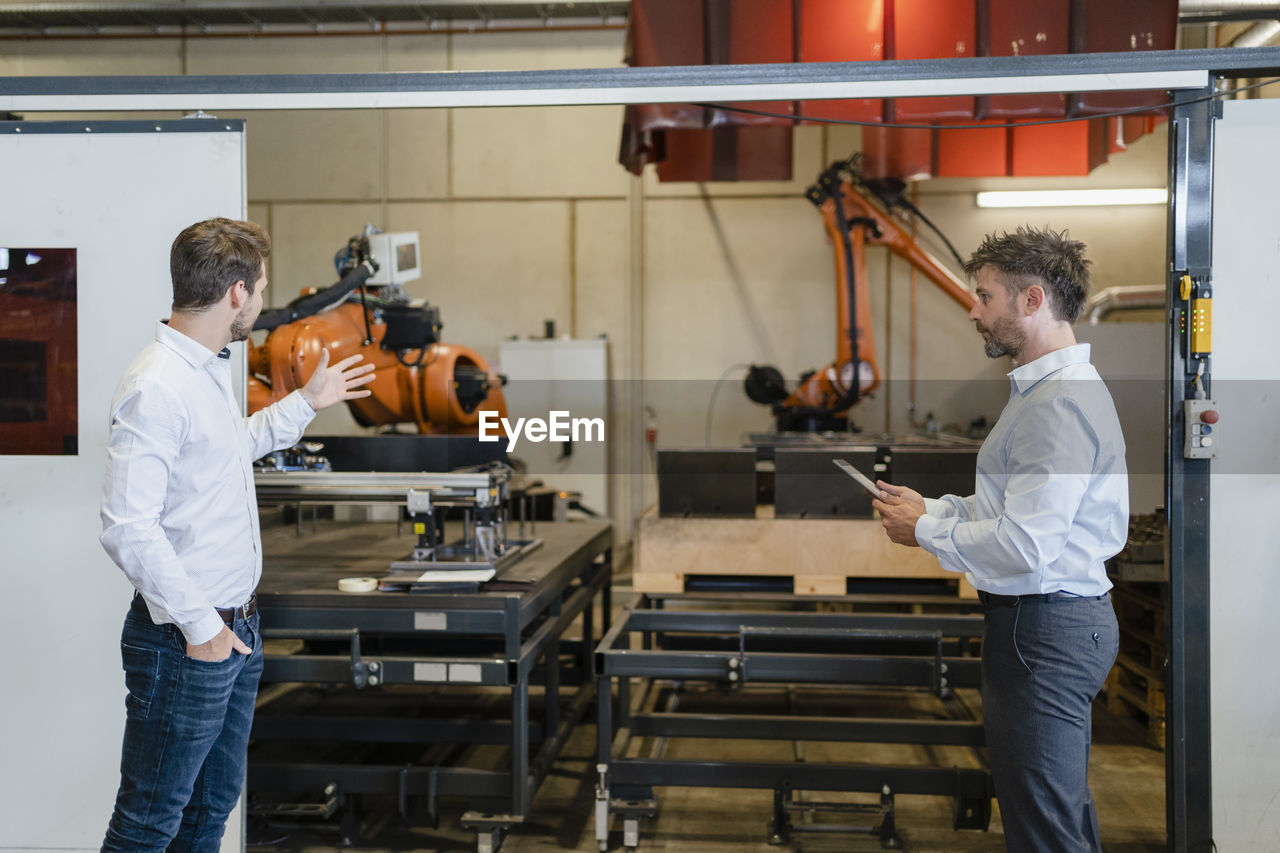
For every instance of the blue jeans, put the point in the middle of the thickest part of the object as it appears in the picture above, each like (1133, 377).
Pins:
(186, 737)
(1044, 660)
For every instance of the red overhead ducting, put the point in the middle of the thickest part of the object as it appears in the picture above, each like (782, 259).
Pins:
(840, 31)
(1039, 28)
(930, 29)
(697, 144)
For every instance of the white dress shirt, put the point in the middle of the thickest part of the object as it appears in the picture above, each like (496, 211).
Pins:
(179, 511)
(1051, 499)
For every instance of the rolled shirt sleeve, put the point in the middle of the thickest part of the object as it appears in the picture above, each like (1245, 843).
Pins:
(278, 425)
(950, 506)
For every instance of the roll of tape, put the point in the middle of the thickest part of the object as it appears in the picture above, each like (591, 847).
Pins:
(358, 584)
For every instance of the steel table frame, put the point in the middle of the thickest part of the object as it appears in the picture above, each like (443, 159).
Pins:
(528, 625)
(902, 650)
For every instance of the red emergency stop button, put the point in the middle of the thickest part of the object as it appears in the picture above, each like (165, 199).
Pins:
(1209, 416)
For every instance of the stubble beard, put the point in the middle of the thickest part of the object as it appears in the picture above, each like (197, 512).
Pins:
(1003, 338)
(242, 325)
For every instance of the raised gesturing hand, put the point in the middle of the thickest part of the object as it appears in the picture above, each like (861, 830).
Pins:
(329, 385)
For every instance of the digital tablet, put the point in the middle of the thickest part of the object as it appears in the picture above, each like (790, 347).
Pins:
(863, 480)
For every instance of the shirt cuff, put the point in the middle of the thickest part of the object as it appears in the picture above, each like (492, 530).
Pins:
(926, 526)
(304, 408)
(933, 506)
(203, 630)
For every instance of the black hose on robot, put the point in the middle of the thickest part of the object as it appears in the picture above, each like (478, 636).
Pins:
(836, 188)
(305, 306)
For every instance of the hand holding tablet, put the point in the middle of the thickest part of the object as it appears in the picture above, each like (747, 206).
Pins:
(866, 482)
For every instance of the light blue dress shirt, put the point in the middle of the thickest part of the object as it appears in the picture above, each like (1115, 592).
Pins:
(179, 510)
(1051, 500)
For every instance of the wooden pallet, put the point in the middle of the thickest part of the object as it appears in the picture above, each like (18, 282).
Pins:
(819, 555)
(1132, 689)
(1136, 683)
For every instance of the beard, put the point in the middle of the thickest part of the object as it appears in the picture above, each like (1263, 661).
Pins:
(1003, 338)
(242, 325)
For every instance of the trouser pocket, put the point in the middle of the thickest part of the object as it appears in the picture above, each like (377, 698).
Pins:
(141, 672)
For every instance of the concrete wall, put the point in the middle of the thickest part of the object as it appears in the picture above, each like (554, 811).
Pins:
(526, 216)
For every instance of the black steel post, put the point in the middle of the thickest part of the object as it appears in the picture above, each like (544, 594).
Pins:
(1188, 791)
(520, 794)
(604, 719)
(551, 699)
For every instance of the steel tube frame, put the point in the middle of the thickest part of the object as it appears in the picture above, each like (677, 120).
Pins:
(640, 772)
(634, 778)
(515, 787)
(778, 727)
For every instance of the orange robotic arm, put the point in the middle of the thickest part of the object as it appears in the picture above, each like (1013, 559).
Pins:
(443, 392)
(853, 221)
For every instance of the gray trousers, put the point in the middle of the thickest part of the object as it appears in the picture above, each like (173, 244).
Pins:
(1044, 659)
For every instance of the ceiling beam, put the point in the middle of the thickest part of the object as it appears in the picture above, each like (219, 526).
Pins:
(1095, 72)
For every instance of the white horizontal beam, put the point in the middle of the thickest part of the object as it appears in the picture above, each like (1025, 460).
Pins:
(258, 93)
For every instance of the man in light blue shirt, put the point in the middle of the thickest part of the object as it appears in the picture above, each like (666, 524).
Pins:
(1051, 504)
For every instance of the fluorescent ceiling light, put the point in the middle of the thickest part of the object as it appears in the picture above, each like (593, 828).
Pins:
(1071, 198)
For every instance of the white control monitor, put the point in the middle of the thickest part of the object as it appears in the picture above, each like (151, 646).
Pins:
(399, 257)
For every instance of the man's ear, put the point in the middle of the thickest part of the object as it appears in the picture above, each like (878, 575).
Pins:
(1033, 298)
(239, 294)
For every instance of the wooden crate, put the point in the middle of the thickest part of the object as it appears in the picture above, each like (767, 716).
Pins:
(1134, 690)
(1136, 683)
(819, 554)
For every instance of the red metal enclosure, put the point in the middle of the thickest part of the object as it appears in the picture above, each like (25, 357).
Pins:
(973, 153)
(1105, 26)
(697, 144)
(840, 31)
(727, 154)
(758, 31)
(930, 29)
(897, 152)
(1019, 28)
(1076, 148)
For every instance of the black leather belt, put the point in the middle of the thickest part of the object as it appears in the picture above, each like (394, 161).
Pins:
(230, 614)
(990, 599)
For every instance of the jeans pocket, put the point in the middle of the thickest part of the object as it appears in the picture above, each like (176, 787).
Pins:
(141, 672)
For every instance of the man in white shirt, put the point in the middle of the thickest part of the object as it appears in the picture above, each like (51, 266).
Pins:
(180, 518)
(1051, 504)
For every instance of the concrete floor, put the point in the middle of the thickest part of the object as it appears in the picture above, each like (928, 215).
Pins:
(1127, 779)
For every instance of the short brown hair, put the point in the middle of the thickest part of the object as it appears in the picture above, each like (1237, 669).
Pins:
(1035, 256)
(210, 256)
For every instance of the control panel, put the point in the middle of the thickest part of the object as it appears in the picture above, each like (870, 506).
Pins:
(1201, 437)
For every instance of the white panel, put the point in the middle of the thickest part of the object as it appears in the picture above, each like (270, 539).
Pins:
(1245, 485)
(119, 199)
(561, 375)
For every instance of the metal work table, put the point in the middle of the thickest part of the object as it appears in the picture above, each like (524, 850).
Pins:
(391, 661)
(736, 648)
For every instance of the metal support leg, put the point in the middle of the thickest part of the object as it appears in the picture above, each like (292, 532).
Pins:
(552, 694)
(602, 806)
(520, 747)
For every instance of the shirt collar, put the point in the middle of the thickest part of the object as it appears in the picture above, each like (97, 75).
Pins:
(1025, 377)
(193, 352)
